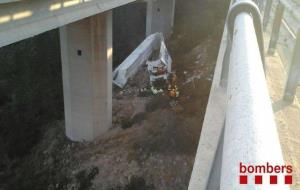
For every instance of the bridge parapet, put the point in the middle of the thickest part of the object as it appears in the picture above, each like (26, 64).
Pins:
(239, 125)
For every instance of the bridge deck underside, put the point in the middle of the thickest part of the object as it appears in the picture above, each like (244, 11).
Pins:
(24, 19)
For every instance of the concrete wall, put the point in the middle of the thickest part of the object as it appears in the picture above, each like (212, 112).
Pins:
(207, 163)
(160, 16)
(86, 49)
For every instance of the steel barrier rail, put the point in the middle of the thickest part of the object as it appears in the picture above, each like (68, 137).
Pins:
(250, 134)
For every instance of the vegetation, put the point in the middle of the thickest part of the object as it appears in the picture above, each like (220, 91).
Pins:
(194, 25)
(30, 92)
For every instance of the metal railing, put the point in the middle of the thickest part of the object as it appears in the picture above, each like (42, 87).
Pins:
(281, 23)
(250, 135)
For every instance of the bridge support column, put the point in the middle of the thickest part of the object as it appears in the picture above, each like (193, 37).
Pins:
(86, 51)
(160, 16)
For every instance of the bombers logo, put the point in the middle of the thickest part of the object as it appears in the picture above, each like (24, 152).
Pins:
(273, 172)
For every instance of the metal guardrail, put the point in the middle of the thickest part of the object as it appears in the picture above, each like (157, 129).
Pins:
(293, 73)
(250, 131)
(243, 124)
(276, 28)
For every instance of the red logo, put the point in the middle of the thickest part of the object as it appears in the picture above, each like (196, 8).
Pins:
(258, 171)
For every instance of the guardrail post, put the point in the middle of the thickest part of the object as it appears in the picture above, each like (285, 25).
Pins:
(259, 4)
(294, 73)
(276, 28)
(267, 13)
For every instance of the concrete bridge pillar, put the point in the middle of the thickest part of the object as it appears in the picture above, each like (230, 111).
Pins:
(160, 16)
(86, 51)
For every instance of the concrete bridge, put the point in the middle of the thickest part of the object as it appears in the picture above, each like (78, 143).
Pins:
(86, 49)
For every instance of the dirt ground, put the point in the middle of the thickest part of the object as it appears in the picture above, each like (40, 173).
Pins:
(154, 138)
(286, 115)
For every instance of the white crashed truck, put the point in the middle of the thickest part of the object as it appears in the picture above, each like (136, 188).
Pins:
(160, 64)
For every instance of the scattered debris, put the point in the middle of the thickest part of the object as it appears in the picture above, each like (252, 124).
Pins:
(156, 91)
